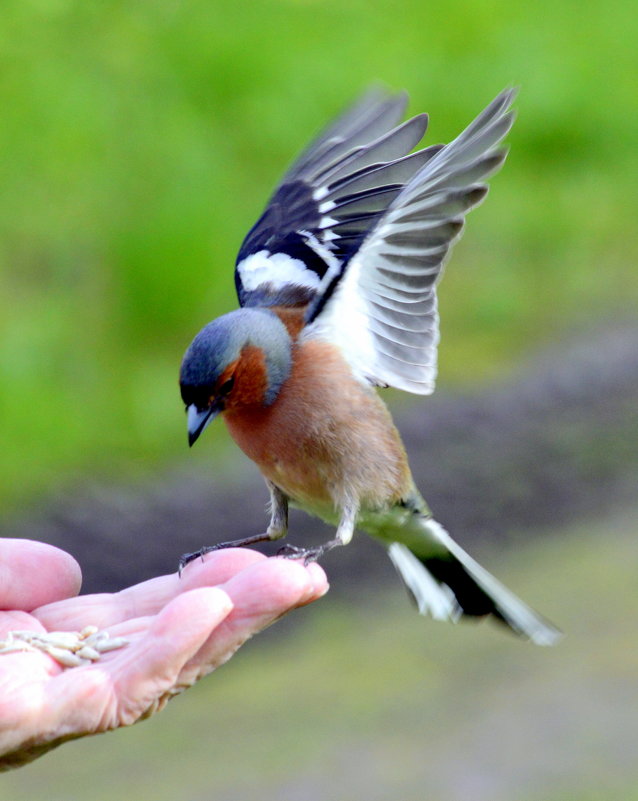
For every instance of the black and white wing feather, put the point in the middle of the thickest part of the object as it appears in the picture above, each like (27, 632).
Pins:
(381, 310)
(329, 200)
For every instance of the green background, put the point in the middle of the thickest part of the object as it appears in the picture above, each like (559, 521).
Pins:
(138, 143)
(140, 140)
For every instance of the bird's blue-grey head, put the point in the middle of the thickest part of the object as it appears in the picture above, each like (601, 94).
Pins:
(217, 371)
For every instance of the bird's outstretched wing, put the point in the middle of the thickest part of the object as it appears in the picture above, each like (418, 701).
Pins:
(329, 200)
(381, 307)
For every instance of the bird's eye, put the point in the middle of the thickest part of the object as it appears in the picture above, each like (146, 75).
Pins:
(227, 386)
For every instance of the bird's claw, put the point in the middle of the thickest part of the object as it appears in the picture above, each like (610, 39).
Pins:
(295, 552)
(187, 558)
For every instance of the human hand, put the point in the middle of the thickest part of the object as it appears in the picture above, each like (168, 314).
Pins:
(178, 631)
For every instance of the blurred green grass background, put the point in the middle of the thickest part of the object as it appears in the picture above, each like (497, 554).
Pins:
(140, 140)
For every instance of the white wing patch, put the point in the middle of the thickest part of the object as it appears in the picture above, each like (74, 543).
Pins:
(345, 322)
(277, 269)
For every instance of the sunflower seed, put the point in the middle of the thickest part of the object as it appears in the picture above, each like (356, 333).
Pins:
(64, 657)
(86, 652)
(68, 648)
(110, 644)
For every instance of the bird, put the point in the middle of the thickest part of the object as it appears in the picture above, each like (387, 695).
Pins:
(337, 284)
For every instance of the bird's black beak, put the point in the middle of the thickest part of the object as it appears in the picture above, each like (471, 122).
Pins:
(197, 421)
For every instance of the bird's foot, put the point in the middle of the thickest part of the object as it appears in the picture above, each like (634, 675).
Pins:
(187, 558)
(307, 554)
(310, 554)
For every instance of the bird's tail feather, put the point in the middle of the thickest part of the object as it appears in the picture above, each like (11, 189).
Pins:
(454, 585)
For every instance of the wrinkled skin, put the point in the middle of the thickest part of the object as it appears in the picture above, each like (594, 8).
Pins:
(178, 630)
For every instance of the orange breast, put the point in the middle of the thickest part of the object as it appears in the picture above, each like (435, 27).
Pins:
(327, 438)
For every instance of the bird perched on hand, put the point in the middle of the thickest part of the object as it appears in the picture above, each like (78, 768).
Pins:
(337, 284)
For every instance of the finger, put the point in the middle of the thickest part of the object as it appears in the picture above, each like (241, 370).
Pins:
(319, 582)
(148, 597)
(135, 626)
(260, 594)
(152, 667)
(214, 569)
(35, 573)
(135, 681)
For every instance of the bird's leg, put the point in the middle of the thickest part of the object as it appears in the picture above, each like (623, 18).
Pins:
(277, 528)
(345, 530)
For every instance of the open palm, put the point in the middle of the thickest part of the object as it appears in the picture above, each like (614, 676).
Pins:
(178, 630)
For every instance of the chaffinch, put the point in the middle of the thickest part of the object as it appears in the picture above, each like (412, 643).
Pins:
(337, 287)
